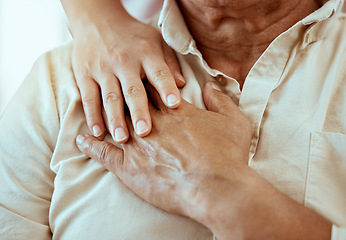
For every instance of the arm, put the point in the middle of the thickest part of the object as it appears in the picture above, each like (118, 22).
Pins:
(259, 211)
(204, 174)
(112, 52)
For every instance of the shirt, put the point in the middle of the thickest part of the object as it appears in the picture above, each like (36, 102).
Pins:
(293, 96)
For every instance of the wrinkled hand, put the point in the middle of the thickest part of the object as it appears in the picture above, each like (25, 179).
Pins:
(109, 63)
(186, 149)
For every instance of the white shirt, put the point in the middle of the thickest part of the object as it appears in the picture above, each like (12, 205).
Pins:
(294, 97)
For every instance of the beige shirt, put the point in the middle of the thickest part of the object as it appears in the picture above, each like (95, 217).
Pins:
(294, 97)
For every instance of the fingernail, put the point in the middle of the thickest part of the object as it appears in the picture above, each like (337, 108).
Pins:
(97, 130)
(181, 78)
(141, 127)
(172, 100)
(80, 139)
(120, 134)
(215, 86)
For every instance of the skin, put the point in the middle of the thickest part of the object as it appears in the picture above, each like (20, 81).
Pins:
(112, 53)
(232, 35)
(215, 186)
(184, 172)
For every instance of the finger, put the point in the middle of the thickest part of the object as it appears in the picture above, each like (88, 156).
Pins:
(156, 103)
(173, 64)
(114, 107)
(90, 94)
(154, 97)
(161, 78)
(136, 100)
(108, 155)
(216, 101)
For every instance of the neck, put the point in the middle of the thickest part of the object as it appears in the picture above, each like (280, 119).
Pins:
(232, 34)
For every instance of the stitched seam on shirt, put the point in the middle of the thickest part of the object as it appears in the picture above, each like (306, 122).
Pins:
(306, 191)
(259, 121)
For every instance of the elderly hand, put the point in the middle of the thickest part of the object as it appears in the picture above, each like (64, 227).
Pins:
(187, 146)
(109, 61)
(194, 163)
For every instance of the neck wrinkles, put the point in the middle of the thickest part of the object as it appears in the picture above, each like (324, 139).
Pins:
(232, 34)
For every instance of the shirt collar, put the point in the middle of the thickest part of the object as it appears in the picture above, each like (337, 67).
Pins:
(321, 21)
(323, 13)
(177, 35)
(173, 27)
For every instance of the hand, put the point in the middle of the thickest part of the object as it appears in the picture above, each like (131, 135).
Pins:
(195, 164)
(111, 62)
(188, 149)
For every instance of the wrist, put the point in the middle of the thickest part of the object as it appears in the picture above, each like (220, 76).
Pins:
(94, 15)
(263, 212)
(216, 202)
(251, 208)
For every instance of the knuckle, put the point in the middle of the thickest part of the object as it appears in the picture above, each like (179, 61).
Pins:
(112, 97)
(134, 91)
(81, 72)
(122, 58)
(82, 68)
(103, 66)
(160, 75)
(147, 45)
(112, 160)
(102, 152)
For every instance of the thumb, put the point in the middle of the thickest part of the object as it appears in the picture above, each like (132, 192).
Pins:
(216, 101)
(108, 155)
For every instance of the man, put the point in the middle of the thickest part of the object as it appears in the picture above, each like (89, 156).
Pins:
(288, 84)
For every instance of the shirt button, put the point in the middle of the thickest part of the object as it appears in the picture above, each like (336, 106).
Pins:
(222, 80)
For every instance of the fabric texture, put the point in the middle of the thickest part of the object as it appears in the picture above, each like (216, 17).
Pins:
(294, 97)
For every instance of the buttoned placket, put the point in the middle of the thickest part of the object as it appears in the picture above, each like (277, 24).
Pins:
(266, 74)
(263, 79)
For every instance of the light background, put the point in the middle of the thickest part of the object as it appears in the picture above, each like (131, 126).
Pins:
(30, 28)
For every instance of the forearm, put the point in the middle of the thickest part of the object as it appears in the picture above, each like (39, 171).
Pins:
(99, 15)
(256, 210)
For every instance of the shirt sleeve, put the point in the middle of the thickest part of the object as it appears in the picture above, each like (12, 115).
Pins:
(29, 127)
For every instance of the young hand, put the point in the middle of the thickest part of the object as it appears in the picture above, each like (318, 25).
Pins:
(109, 63)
